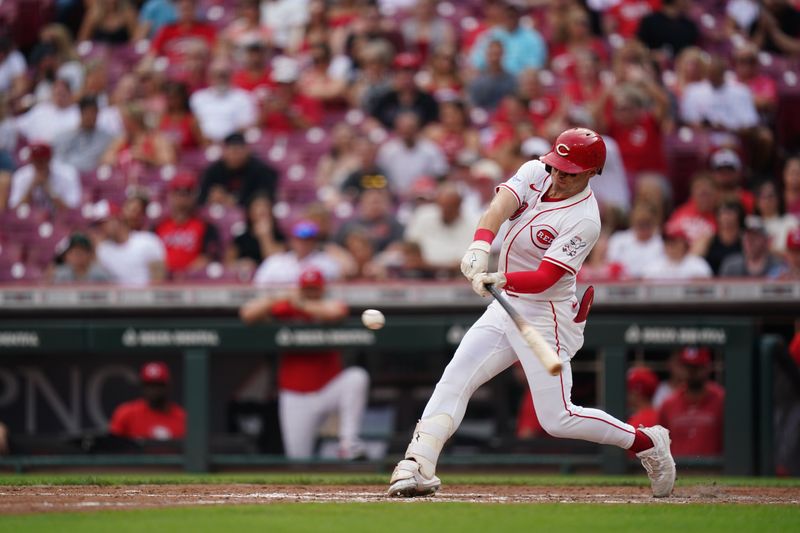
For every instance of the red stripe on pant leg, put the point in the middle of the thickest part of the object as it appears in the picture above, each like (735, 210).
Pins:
(561, 378)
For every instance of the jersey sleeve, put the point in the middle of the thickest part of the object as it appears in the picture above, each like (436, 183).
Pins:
(527, 181)
(572, 246)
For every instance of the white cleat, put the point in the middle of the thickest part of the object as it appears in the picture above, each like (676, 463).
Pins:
(658, 461)
(408, 481)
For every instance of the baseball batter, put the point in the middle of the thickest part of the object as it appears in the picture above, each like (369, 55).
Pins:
(554, 223)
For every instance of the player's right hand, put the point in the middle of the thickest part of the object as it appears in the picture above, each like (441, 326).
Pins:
(476, 260)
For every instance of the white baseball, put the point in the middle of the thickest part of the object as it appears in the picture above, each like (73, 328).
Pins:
(373, 319)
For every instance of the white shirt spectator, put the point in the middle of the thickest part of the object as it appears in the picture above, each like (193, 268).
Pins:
(285, 268)
(129, 262)
(286, 19)
(221, 113)
(691, 267)
(442, 245)
(46, 121)
(404, 165)
(64, 183)
(12, 67)
(778, 229)
(634, 255)
(730, 106)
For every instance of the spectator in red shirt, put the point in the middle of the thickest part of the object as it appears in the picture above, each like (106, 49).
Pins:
(726, 170)
(191, 243)
(623, 18)
(696, 217)
(642, 384)
(178, 125)
(174, 40)
(152, 417)
(285, 109)
(254, 76)
(312, 383)
(694, 413)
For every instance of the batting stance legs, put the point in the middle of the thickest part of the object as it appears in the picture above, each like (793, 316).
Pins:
(489, 347)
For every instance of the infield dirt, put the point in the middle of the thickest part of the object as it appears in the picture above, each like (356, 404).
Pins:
(36, 499)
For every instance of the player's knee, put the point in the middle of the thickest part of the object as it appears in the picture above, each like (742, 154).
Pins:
(555, 424)
(357, 378)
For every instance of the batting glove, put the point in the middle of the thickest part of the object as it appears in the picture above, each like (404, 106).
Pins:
(476, 260)
(480, 281)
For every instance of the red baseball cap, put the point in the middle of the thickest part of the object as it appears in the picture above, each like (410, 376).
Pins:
(674, 232)
(40, 151)
(793, 240)
(642, 380)
(312, 278)
(696, 356)
(155, 372)
(407, 60)
(183, 181)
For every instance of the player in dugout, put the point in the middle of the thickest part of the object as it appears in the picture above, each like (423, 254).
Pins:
(313, 384)
(554, 224)
(153, 416)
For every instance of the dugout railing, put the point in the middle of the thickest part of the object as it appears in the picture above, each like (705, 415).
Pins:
(614, 336)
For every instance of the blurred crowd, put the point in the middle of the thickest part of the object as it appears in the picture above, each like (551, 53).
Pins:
(238, 140)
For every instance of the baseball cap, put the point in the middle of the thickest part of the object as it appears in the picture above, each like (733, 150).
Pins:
(755, 223)
(235, 138)
(793, 240)
(183, 181)
(154, 372)
(312, 278)
(40, 151)
(674, 233)
(305, 229)
(695, 356)
(642, 380)
(725, 158)
(407, 60)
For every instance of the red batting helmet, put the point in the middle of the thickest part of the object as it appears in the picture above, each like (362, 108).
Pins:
(577, 150)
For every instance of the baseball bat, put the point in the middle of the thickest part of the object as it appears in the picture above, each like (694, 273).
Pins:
(543, 351)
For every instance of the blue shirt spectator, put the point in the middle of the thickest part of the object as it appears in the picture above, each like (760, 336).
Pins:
(523, 47)
(154, 15)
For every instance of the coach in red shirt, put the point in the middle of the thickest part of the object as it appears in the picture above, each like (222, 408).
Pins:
(312, 383)
(191, 242)
(153, 416)
(694, 413)
(642, 384)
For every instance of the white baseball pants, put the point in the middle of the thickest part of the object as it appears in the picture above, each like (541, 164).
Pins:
(493, 344)
(302, 414)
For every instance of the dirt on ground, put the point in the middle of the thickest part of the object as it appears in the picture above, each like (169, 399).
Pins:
(35, 499)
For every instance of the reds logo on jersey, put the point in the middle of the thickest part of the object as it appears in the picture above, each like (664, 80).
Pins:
(574, 245)
(543, 236)
(519, 211)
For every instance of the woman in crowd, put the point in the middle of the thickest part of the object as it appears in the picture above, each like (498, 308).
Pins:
(178, 124)
(108, 21)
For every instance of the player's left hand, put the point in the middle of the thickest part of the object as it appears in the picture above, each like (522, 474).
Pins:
(480, 281)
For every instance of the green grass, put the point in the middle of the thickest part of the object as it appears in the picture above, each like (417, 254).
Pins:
(272, 478)
(403, 517)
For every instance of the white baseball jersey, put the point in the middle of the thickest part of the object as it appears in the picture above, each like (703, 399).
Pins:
(562, 232)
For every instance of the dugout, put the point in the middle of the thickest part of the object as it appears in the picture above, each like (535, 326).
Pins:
(48, 335)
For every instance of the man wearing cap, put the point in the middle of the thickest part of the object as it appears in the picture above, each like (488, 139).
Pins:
(305, 252)
(131, 257)
(405, 95)
(312, 384)
(45, 182)
(694, 413)
(676, 263)
(153, 416)
(190, 242)
(83, 147)
(555, 225)
(641, 383)
(237, 176)
(755, 260)
(726, 170)
(285, 108)
(78, 263)
(220, 108)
